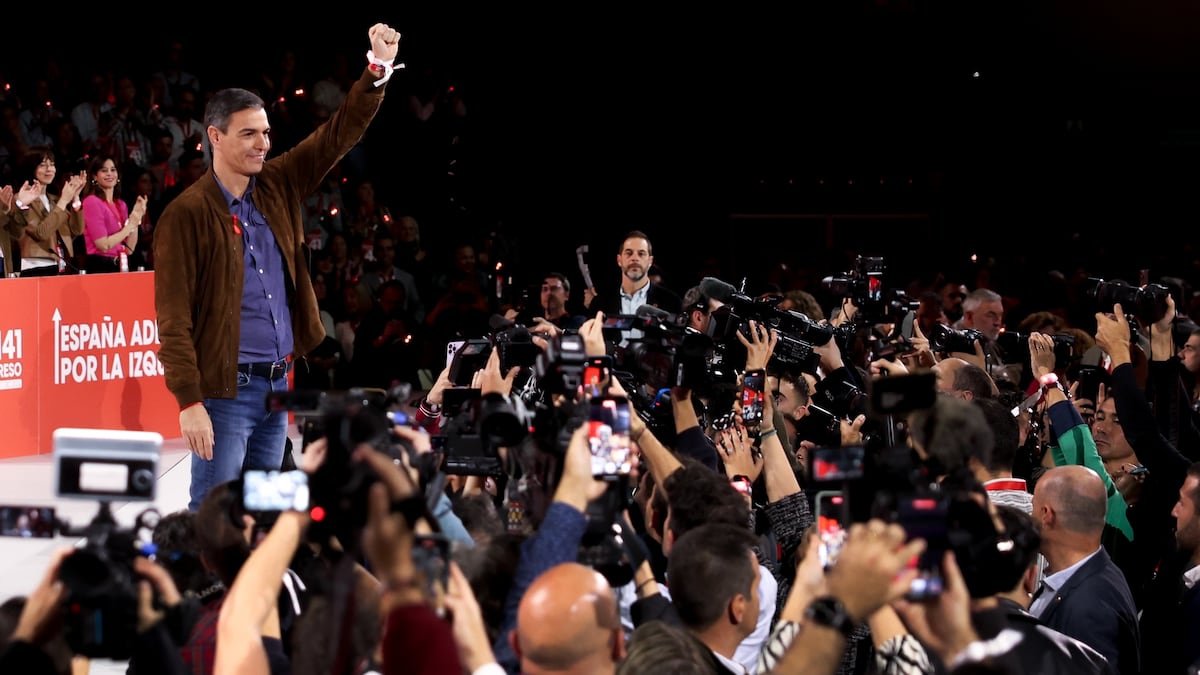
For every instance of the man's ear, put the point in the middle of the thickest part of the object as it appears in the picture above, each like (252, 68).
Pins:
(736, 609)
(618, 650)
(514, 643)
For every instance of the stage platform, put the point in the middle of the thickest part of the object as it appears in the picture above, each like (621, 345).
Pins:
(30, 481)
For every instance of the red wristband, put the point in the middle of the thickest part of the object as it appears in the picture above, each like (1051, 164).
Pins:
(375, 68)
(185, 407)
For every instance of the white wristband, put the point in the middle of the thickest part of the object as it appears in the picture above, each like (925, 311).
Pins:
(386, 65)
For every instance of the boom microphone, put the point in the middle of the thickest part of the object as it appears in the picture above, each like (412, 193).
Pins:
(717, 289)
(652, 312)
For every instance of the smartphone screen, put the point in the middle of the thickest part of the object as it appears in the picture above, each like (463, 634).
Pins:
(35, 522)
(596, 373)
(608, 436)
(431, 557)
(1090, 378)
(274, 490)
(619, 322)
(837, 464)
(753, 383)
(926, 518)
(831, 524)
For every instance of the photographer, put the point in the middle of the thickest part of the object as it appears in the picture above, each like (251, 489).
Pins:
(558, 537)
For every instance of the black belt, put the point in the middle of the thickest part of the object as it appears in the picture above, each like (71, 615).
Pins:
(268, 370)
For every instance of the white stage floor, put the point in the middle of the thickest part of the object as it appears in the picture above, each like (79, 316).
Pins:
(29, 481)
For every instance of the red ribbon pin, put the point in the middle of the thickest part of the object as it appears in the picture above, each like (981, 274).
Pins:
(237, 229)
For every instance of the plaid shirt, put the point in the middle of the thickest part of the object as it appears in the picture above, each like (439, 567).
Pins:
(200, 652)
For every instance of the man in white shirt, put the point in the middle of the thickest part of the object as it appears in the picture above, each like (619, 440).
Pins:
(714, 578)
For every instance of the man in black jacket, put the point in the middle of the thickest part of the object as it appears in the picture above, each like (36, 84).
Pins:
(1083, 594)
(634, 258)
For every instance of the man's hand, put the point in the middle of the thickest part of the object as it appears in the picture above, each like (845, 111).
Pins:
(41, 616)
(737, 452)
(759, 346)
(489, 380)
(440, 385)
(578, 486)
(870, 570)
(544, 327)
(466, 622)
(1112, 335)
(592, 332)
(944, 625)
(154, 578)
(196, 427)
(384, 41)
(1041, 354)
(6, 199)
(387, 539)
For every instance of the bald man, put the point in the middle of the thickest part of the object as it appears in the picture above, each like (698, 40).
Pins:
(568, 622)
(1084, 594)
(962, 379)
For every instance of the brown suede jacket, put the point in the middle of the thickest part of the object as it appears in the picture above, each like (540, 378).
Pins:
(198, 257)
(38, 239)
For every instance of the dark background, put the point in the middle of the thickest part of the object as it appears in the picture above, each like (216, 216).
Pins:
(1030, 133)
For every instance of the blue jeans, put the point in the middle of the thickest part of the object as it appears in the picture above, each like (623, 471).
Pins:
(244, 433)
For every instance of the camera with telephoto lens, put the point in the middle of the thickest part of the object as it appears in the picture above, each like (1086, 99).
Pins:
(1147, 304)
(101, 599)
(943, 338)
(1016, 347)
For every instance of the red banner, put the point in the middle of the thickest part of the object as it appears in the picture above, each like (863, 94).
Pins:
(80, 351)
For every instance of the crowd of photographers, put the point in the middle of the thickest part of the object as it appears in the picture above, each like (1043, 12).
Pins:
(725, 484)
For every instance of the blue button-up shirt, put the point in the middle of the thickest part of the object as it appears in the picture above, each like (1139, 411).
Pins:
(266, 323)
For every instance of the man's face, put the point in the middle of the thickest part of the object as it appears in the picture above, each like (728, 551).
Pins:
(1189, 354)
(554, 296)
(1187, 521)
(952, 298)
(244, 148)
(634, 258)
(928, 315)
(1108, 434)
(385, 253)
(987, 318)
(790, 398)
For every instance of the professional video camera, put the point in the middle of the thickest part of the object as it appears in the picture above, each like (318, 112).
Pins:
(1147, 304)
(863, 285)
(798, 334)
(346, 420)
(100, 616)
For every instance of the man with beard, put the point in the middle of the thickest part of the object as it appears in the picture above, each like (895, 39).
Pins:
(1170, 621)
(635, 257)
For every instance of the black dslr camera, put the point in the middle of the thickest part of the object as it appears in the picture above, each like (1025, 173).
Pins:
(1147, 304)
(943, 338)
